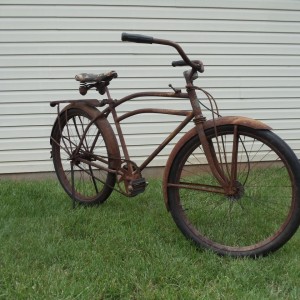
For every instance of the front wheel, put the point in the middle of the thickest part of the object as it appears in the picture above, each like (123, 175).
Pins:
(263, 212)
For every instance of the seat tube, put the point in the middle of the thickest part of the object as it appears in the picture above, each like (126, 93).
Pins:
(199, 120)
(119, 131)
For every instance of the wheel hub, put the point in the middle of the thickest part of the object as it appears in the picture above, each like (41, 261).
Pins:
(238, 192)
(83, 155)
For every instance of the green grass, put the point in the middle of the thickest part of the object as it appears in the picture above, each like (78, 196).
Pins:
(123, 249)
(255, 214)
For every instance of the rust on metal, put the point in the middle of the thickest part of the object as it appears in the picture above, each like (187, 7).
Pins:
(97, 116)
(154, 111)
(166, 141)
(130, 173)
(234, 159)
(228, 120)
(236, 120)
(151, 94)
(91, 102)
(199, 187)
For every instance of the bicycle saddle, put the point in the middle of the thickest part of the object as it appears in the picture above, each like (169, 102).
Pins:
(88, 77)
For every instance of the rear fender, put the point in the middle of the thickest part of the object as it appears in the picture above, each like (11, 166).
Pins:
(234, 120)
(105, 127)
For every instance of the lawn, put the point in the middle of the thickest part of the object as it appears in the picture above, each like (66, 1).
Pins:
(127, 248)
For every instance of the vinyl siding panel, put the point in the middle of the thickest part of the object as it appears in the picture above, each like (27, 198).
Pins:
(251, 51)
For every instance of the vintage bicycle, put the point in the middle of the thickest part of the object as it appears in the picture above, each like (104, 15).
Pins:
(230, 183)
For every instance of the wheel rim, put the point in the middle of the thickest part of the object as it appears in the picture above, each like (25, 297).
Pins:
(252, 217)
(89, 181)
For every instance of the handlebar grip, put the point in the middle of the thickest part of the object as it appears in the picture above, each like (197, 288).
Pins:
(179, 63)
(137, 38)
(196, 63)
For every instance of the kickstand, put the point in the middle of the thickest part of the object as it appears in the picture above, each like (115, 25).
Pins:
(73, 186)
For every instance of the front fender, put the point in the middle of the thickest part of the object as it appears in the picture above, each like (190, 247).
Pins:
(230, 120)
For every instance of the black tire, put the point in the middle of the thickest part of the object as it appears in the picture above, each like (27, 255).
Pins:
(91, 185)
(265, 211)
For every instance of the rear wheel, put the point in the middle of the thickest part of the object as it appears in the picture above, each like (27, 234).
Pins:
(77, 166)
(260, 215)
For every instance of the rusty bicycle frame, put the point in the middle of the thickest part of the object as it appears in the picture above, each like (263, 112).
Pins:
(227, 182)
(224, 158)
(195, 114)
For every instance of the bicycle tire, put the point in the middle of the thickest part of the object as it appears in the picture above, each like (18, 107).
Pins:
(264, 213)
(91, 185)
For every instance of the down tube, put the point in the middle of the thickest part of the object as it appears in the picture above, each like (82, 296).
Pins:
(189, 116)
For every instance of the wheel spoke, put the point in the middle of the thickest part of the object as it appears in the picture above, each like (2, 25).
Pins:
(249, 218)
(81, 159)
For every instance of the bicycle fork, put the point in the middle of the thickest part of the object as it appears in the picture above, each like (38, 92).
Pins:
(227, 182)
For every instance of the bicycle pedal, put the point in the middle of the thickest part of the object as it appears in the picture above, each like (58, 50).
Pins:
(137, 186)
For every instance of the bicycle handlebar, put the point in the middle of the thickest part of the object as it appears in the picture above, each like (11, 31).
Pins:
(138, 38)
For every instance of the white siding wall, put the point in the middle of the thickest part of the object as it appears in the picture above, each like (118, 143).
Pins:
(251, 50)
